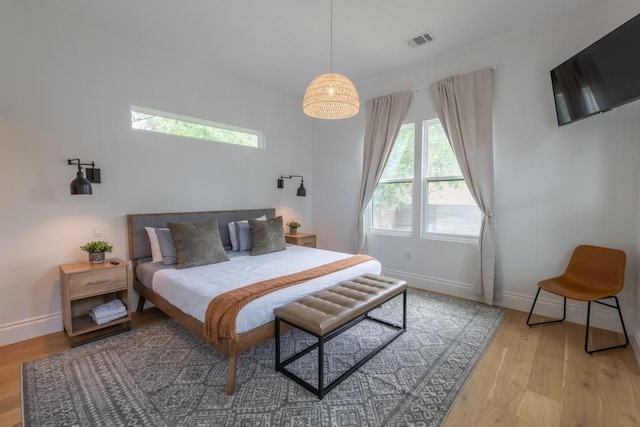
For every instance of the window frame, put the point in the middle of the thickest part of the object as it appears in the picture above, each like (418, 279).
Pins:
(426, 180)
(412, 180)
(194, 120)
(420, 193)
(423, 217)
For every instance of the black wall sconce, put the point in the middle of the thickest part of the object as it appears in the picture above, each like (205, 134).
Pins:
(80, 185)
(302, 192)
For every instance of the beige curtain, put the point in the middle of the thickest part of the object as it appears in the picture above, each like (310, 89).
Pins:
(464, 105)
(384, 119)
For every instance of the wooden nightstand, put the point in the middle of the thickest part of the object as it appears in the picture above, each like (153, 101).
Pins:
(301, 239)
(84, 286)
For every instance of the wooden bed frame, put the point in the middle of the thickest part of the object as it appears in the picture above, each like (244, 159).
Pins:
(140, 251)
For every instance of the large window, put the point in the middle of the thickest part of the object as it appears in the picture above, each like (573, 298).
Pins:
(449, 206)
(392, 200)
(446, 207)
(143, 118)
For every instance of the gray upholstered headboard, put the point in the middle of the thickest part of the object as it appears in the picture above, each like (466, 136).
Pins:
(139, 246)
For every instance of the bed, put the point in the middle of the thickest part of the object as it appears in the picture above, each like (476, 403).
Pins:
(184, 294)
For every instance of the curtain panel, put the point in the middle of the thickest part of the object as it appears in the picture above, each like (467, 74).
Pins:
(464, 106)
(384, 119)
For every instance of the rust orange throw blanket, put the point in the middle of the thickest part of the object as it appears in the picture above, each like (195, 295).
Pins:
(220, 320)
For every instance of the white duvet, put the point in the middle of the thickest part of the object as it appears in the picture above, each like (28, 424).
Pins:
(192, 289)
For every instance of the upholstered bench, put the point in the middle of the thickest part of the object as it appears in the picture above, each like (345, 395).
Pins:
(328, 313)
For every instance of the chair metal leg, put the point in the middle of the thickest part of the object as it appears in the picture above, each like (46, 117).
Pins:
(586, 329)
(624, 329)
(564, 312)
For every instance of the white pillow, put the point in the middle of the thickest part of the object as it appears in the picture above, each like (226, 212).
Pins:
(240, 242)
(156, 254)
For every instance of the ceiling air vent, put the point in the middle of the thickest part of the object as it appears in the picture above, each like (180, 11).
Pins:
(421, 39)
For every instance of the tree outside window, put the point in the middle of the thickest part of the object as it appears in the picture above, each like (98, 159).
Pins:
(448, 207)
(172, 124)
(392, 202)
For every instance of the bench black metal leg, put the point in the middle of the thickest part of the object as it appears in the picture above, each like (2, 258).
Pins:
(277, 343)
(320, 367)
(364, 359)
(322, 390)
(404, 310)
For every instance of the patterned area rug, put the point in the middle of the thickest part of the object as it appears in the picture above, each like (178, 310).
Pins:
(162, 375)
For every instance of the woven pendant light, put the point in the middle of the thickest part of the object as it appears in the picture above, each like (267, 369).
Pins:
(332, 95)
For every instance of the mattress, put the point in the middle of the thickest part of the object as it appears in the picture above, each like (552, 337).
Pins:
(192, 289)
(146, 271)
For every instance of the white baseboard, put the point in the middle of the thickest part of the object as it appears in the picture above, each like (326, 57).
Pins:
(30, 328)
(42, 325)
(547, 305)
(456, 289)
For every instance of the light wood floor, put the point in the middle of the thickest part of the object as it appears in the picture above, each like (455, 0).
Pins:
(528, 377)
(541, 376)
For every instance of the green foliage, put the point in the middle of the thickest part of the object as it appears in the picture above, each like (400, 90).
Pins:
(394, 193)
(400, 162)
(191, 130)
(294, 224)
(97, 247)
(397, 195)
(441, 161)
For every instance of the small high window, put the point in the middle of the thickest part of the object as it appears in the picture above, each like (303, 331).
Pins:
(143, 118)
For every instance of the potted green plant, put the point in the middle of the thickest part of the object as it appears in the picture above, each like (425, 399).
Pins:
(96, 250)
(293, 227)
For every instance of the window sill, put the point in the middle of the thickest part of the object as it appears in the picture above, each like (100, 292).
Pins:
(382, 232)
(450, 238)
(426, 236)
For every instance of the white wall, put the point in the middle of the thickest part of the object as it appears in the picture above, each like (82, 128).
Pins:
(635, 316)
(65, 92)
(555, 187)
(66, 88)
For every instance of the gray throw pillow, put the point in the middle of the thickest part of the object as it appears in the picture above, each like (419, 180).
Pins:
(267, 236)
(167, 248)
(197, 244)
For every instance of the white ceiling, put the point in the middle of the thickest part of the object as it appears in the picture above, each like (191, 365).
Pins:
(286, 43)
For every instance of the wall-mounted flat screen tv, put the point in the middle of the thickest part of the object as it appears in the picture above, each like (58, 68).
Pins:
(603, 76)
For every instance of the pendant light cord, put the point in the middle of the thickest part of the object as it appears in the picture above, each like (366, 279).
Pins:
(331, 38)
(330, 95)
